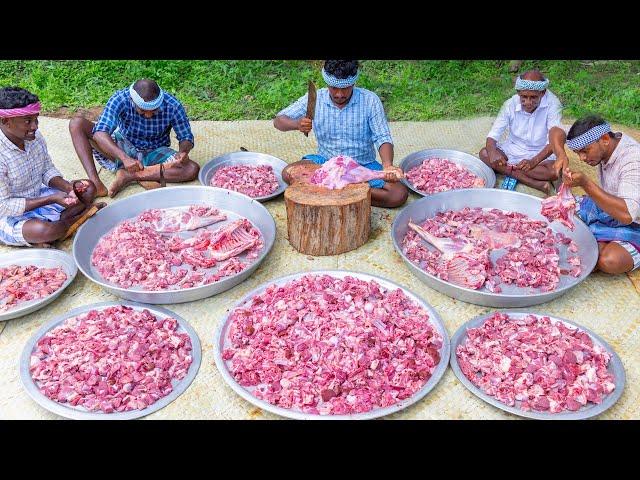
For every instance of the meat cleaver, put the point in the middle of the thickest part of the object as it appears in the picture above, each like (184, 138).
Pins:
(311, 103)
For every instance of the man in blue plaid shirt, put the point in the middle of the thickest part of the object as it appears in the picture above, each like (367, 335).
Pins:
(131, 138)
(348, 121)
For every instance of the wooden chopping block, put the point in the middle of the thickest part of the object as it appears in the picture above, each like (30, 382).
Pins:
(328, 222)
(78, 223)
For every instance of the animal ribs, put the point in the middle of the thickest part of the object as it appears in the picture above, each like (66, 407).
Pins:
(181, 219)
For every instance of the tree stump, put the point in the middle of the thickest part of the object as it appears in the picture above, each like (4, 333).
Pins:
(328, 222)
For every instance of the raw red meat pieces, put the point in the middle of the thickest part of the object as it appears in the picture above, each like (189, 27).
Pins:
(112, 360)
(135, 254)
(435, 175)
(531, 258)
(252, 180)
(340, 171)
(560, 207)
(544, 365)
(331, 346)
(181, 219)
(20, 284)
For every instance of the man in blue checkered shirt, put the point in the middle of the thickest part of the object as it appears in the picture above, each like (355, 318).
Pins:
(348, 121)
(131, 138)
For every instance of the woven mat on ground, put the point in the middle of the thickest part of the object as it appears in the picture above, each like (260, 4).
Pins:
(609, 305)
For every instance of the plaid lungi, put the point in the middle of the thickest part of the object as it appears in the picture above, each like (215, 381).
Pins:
(146, 157)
(11, 227)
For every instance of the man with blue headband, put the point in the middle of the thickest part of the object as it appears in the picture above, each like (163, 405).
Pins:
(529, 115)
(131, 138)
(611, 209)
(348, 121)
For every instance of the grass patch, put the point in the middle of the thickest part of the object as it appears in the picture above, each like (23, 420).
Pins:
(258, 89)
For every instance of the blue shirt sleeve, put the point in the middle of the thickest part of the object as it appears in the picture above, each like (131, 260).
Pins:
(380, 133)
(108, 121)
(297, 109)
(181, 125)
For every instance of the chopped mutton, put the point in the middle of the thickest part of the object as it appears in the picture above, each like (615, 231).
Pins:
(252, 180)
(135, 254)
(112, 360)
(329, 346)
(535, 363)
(531, 255)
(435, 175)
(24, 283)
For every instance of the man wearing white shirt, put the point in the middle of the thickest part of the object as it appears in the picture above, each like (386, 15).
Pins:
(525, 154)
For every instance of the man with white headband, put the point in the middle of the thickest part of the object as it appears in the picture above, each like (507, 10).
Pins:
(525, 154)
(348, 121)
(611, 209)
(131, 138)
(37, 205)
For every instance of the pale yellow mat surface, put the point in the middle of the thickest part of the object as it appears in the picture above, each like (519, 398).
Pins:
(608, 305)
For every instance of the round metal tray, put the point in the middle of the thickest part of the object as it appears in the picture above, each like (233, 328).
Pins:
(590, 410)
(234, 204)
(40, 257)
(512, 296)
(466, 160)
(221, 342)
(80, 413)
(245, 158)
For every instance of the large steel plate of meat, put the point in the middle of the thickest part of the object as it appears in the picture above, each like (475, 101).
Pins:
(511, 295)
(42, 258)
(476, 166)
(94, 381)
(584, 408)
(235, 206)
(436, 331)
(254, 159)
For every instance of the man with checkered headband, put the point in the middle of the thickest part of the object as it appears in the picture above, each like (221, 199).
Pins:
(611, 209)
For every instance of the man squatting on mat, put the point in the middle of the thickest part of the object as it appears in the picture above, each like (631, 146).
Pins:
(37, 205)
(131, 138)
(529, 115)
(348, 121)
(611, 209)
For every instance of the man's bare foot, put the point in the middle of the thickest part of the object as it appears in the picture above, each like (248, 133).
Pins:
(123, 178)
(101, 188)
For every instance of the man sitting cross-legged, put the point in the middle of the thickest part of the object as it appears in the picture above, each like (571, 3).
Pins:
(37, 205)
(611, 209)
(131, 138)
(529, 115)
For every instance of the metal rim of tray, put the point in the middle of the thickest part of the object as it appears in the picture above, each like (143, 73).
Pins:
(434, 317)
(486, 298)
(590, 410)
(81, 413)
(245, 158)
(30, 257)
(464, 159)
(183, 294)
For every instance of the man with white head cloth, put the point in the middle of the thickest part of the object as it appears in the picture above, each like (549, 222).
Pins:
(131, 138)
(525, 154)
(348, 121)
